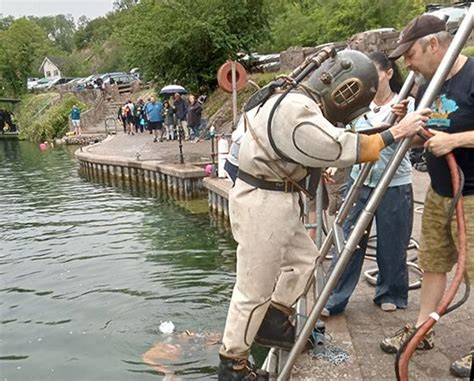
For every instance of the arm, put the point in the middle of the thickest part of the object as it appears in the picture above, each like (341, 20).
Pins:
(302, 133)
(442, 143)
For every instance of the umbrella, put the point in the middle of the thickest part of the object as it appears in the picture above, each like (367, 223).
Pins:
(172, 89)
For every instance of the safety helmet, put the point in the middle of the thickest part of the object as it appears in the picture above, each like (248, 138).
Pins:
(344, 85)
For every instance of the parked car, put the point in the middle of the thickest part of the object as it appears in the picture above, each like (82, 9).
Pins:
(41, 84)
(119, 78)
(31, 82)
(455, 12)
(59, 81)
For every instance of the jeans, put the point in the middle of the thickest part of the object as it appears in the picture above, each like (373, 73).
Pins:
(394, 220)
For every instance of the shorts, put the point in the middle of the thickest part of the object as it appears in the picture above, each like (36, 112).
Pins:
(437, 252)
(76, 122)
(155, 125)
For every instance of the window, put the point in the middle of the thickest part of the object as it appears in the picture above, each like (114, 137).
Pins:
(48, 74)
(56, 73)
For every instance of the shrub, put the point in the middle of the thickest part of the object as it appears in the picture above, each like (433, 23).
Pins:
(45, 116)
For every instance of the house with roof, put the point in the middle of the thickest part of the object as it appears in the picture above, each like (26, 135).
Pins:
(52, 67)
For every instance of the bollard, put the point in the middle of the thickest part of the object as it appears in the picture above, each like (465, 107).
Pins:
(222, 151)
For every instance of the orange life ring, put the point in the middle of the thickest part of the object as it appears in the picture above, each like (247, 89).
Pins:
(224, 76)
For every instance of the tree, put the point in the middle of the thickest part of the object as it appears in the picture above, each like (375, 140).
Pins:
(310, 23)
(6, 22)
(60, 29)
(120, 5)
(22, 48)
(189, 39)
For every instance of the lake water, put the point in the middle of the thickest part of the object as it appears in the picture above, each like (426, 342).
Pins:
(89, 272)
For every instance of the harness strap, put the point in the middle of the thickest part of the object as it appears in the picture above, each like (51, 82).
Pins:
(280, 169)
(279, 186)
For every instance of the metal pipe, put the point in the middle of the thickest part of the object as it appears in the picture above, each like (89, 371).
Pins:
(373, 202)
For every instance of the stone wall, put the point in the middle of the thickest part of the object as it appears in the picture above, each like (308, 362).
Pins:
(378, 40)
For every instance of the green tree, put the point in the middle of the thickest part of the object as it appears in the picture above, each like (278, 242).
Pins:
(60, 30)
(187, 40)
(6, 22)
(22, 48)
(310, 23)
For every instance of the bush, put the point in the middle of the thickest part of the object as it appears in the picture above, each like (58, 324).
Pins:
(45, 116)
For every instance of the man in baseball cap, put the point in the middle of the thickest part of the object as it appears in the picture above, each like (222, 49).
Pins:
(420, 26)
(423, 44)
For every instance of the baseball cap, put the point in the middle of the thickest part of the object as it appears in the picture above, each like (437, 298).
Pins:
(420, 26)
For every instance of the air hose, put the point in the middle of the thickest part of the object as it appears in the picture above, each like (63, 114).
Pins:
(406, 351)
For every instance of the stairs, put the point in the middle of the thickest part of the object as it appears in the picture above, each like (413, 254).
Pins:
(110, 110)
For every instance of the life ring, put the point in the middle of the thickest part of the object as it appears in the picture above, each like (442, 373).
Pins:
(224, 76)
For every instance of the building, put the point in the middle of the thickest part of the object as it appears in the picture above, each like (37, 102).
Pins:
(51, 67)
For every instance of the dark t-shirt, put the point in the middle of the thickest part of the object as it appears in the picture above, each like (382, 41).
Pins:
(453, 111)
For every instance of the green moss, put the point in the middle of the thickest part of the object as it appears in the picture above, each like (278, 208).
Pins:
(45, 116)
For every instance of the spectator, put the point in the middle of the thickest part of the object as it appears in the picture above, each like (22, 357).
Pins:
(169, 119)
(423, 44)
(131, 119)
(194, 117)
(181, 111)
(393, 216)
(154, 114)
(76, 120)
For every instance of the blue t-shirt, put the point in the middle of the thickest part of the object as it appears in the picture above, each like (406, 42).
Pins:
(75, 113)
(154, 111)
(453, 111)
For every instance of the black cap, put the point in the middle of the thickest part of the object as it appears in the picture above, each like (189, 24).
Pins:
(420, 26)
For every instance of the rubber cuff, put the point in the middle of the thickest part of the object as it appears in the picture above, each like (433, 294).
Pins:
(387, 137)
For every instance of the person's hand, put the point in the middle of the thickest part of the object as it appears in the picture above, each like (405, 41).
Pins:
(411, 124)
(328, 174)
(400, 109)
(441, 143)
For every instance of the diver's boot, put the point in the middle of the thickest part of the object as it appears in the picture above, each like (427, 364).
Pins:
(278, 331)
(239, 370)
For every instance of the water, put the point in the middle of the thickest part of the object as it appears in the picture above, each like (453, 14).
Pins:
(88, 272)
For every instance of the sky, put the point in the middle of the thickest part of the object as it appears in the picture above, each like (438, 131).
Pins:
(77, 8)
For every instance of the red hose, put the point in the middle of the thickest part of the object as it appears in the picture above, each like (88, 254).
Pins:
(458, 276)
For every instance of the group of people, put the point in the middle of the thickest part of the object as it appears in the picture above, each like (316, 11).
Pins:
(275, 255)
(171, 119)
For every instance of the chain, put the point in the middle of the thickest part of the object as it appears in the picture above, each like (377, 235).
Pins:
(330, 353)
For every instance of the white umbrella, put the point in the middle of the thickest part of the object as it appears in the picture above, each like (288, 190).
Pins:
(172, 89)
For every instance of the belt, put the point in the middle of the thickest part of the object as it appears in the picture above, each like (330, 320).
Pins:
(279, 186)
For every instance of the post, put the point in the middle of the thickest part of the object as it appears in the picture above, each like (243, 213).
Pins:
(234, 95)
(180, 143)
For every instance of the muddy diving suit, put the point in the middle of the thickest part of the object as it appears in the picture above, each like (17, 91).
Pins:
(275, 256)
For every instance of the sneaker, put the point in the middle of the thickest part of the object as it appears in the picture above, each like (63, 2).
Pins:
(388, 307)
(393, 343)
(155, 140)
(463, 367)
(239, 370)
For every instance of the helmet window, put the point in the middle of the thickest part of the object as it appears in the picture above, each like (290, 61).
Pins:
(347, 92)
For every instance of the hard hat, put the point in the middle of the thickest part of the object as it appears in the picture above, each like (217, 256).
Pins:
(344, 85)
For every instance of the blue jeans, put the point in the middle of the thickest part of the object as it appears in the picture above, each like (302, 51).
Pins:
(394, 220)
